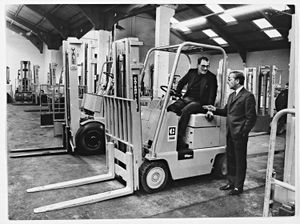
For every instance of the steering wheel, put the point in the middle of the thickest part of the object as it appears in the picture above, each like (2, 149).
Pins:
(172, 92)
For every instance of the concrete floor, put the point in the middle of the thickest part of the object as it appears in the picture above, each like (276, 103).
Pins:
(189, 198)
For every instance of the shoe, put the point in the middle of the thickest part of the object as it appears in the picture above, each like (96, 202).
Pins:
(236, 191)
(226, 187)
(178, 113)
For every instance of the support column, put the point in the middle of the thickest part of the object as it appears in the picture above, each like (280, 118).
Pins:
(162, 38)
(289, 164)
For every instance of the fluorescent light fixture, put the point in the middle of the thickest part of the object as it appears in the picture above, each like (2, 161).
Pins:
(194, 22)
(247, 9)
(215, 8)
(180, 27)
(262, 23)
(184, 25)
(175, 24)
(227, 18)
(210, 33)
(220, 41)
(280, 7)
(272, 33)
(173, 20)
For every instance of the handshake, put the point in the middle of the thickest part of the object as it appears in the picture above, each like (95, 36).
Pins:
(209, 114)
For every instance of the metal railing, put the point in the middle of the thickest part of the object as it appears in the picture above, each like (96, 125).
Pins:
(270, 180)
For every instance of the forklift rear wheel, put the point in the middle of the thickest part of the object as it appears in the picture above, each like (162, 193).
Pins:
(153, 176)
(90, 139)
(220, 166)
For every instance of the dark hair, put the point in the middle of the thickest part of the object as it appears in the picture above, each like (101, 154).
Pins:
(240, 76)
(202, 58)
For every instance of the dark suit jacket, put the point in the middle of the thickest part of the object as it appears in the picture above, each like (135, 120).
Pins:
(241, 113)
(202, 88)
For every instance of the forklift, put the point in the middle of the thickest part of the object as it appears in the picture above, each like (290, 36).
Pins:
(141, 139)
(26, 92)
(83, 124)
(86, 122)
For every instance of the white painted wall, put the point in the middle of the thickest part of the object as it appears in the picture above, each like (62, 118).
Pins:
(18, 48)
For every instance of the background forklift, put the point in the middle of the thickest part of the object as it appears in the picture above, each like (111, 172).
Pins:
(85, 122)
(149, 166)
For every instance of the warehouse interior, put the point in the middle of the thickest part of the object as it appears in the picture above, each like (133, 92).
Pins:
(86, 89)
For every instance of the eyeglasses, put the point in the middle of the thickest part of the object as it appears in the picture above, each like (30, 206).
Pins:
(204, 66)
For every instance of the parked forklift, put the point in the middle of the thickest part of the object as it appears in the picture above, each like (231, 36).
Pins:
(26, 92)
(83, 124)
(86, 120)
(141, 140)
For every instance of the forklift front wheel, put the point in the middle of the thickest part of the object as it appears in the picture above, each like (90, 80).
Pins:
(153, 176)
(90, 139)
(220, 166)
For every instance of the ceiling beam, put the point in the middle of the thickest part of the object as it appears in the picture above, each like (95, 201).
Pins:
(19, 10)
(35, 40)
(104, 20)
(173, 31)
(49, 39)
(133, 10)
(80, 31)
(100, 20)
(222, 33)
(58, 25)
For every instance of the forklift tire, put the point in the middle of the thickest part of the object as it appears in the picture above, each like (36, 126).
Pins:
(153, 176)
(90, 139)
(220, 166)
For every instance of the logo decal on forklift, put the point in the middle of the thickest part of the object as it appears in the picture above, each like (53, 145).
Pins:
(135, 85)
(73, 66)
(172, 133)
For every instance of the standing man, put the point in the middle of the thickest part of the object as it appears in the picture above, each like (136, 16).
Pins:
(201, 90)
(241, 117)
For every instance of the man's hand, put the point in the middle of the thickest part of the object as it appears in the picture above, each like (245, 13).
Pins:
(209, 107)
(209, 115)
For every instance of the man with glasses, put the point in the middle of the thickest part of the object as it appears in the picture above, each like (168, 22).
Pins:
(241, 117)
(201, 90)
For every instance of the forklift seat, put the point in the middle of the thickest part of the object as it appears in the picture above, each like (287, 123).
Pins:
(199, 120)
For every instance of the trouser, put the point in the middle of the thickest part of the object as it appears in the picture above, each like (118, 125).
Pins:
(236, 152)
(184, 108)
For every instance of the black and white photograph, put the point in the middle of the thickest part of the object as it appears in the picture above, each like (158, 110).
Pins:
(148, 112)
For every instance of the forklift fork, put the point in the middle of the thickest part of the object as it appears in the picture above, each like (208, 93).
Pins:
(126, 174)
(124, 163)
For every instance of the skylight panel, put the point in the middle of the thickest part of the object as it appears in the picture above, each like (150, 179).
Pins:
(220, 41)
(227, 18)
(262, 23)
(210, 33)
(273, 33)
(215, 8)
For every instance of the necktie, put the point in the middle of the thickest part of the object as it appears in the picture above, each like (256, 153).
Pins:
(234, 95)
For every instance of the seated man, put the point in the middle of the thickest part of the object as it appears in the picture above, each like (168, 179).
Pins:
(201, 90)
